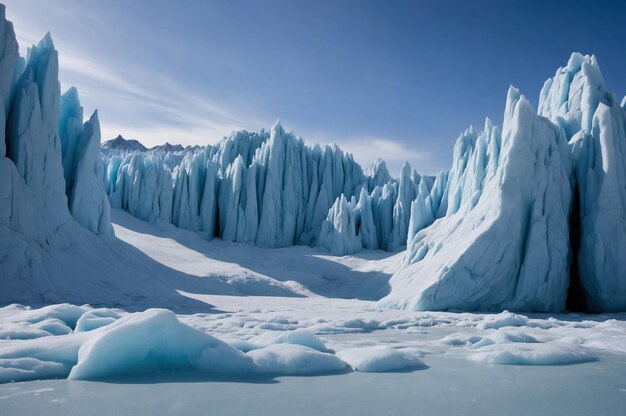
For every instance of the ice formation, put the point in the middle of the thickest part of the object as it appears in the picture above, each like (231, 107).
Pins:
(380, 359)
(500, 230)
(52, 205)
(595, 124)
(148, 342)
(49, 343)
(504, 241)
(82, 166)
(503, 237)
(268, 189)
(32, 190)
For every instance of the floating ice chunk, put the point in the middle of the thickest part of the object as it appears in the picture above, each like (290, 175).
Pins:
(380, 359)
(289, 359)
(68, 314)
(532, 354)
(53, 326)
(461, 339)
(21, 331)
(151, 341)
(503, 319)
(503, 337)
(96, 318)
(27, 368)
(297, 337)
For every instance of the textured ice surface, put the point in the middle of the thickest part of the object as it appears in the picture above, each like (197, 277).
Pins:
(82, 166)
(338, 233)
(504, 242)
(532, 354)
(292, 359)
(151, 341)
(96, 318)
(595, 123)
(380, 359)
(267, 189)
(297, 336)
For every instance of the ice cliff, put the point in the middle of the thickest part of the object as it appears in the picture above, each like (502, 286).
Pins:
(529, 217)
(513, 201)
(491, 233)
(50, 179)
(595, 124)
(267, 189)
(503, 243)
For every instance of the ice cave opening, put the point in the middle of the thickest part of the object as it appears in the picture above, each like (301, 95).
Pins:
(576, 301)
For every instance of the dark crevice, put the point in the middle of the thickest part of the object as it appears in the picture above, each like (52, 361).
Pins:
(576, 301)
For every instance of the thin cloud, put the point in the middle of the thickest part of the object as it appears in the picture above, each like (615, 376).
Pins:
(129, 102)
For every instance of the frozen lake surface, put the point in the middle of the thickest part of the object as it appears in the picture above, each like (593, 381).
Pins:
(321, 321)
(449, 387)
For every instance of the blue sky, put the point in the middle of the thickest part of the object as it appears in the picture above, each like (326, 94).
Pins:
(397, 80)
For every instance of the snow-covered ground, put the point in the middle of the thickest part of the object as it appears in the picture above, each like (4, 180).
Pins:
(246, 353)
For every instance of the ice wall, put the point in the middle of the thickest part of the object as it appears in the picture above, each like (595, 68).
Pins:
(34, 211)
(504, 242)
(267, 189)
(82, 166)
(595, 123)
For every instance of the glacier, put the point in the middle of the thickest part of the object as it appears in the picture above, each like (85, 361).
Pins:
(279, 258)
(504, 241)
(528, 217)
(501, 238)
(82, 166)
(595, 124)
(56, 237)
(267, 189)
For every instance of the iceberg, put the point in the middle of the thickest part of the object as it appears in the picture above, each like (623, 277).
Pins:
(150, 341)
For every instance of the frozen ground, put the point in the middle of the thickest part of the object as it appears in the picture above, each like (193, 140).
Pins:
(308, 349)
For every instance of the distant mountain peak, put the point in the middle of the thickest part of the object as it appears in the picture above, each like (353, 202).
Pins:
(120, 143)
